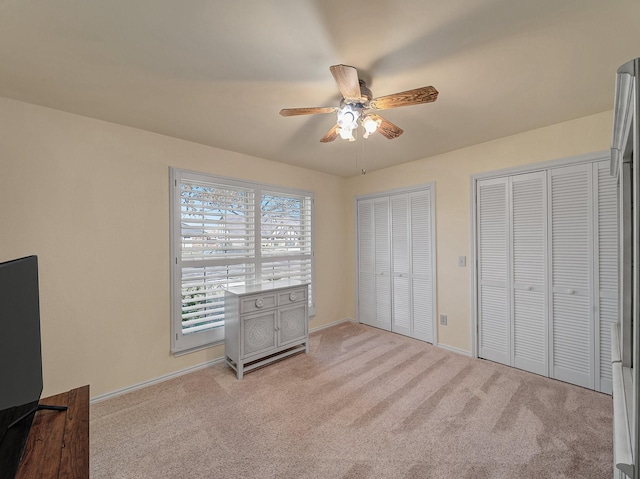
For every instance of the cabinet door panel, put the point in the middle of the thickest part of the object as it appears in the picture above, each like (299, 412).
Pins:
(293, 324)
(259, 333)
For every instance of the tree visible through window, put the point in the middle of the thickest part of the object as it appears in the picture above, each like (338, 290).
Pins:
(220, 240)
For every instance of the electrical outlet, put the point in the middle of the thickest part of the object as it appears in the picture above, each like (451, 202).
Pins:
(462, 260)
(443, 319)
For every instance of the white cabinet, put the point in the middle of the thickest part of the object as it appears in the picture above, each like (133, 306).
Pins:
(264, 323)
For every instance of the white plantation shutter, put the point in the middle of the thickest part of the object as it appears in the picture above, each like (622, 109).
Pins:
(217, 243)
(528, 239)
(230, 233)
(401, 272)
(285, 238)
(571, 257)
(607, 265)
(203, 293)
(493, 262)
(421, 220)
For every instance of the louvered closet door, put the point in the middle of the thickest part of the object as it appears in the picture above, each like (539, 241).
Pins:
(607, 269)
(374, 273)
(421, 241)
(401, 318)
(571, 225)
(366, 263)
(494, 329)
(382, 263)
(396, 263)
(528, 237)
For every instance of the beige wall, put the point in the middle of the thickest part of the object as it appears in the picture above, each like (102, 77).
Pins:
(91, 199)
(451, 173)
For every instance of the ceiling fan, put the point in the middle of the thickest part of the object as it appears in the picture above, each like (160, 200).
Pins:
(358, 106)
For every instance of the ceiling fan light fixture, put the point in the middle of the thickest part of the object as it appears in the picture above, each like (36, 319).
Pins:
(357, 106)
(348, 117)
(346, 134)
(370, 126)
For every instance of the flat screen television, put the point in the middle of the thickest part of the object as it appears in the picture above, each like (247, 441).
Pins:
(20, 358)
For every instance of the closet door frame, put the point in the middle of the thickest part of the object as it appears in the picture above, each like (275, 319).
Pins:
(473, 191)
(430, 186)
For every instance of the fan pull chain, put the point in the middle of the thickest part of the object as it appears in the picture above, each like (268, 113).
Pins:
(363, 170)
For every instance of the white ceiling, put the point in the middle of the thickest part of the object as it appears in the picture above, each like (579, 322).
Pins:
(218, 72)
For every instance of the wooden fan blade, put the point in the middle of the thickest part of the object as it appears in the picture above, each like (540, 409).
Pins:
(425, 94)
(307, 111)
(347, 79)
(331, 135)
(386, 128)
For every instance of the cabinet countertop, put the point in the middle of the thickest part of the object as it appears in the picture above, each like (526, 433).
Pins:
(265, 287)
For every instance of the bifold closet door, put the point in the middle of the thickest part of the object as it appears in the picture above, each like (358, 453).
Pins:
(395, 263)
(529, 270)
(421, 245)
(374, 273)
(401, 281)
(584, 273)
(494, 302)
(547, 245)
(512, 271)
(572, 319)
(607, 270)
(412, 265)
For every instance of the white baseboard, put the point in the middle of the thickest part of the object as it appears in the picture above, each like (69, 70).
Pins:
(150, 382)
(188, 370)
(325, 326)
(454, 350)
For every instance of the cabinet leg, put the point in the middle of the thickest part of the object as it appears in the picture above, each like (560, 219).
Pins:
(240, 370)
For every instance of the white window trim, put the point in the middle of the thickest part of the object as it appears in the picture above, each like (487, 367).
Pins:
(183, 344)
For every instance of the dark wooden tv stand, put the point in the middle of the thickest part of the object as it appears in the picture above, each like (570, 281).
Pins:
(58, 443)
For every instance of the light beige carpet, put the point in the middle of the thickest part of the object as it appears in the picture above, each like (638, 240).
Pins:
(363, 403)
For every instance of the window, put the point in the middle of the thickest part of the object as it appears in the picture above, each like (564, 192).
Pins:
(229, 233)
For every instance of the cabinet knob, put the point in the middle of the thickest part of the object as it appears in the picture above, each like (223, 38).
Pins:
(293, 297)
(259, 303)
(571, 291)
(529, 288)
